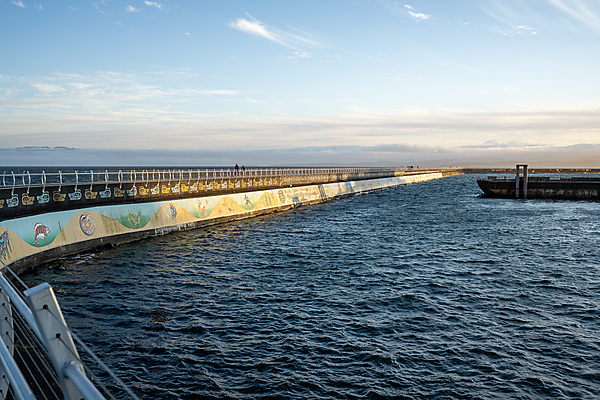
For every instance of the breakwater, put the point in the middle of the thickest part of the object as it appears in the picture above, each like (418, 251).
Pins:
(47, 226)
(33, 193)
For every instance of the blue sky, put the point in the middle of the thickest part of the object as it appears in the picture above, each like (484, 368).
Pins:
(301, 82)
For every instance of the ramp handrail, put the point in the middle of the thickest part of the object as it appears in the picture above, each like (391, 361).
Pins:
(55, 370)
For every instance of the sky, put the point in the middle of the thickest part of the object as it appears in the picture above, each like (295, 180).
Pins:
(300, 82)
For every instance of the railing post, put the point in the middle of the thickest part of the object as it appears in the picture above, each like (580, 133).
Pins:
(28, 181)
(59, 343)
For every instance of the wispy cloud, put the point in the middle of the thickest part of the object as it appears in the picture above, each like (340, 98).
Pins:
(131, 9)
(299, 54)
(255, 27)
(515, 15)
(119, 97)
(48, 88)
(494, 144)
(419, 16)
(18, 3)
(515, 30)
(404, 10)
(586, 12)
(512, 16)
(98, 7)
(153, 4)
(219, 92)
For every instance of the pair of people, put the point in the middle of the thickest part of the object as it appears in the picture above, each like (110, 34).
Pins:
(237, 168)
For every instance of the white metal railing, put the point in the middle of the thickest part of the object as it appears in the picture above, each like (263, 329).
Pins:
(27, 179)
(51, 367)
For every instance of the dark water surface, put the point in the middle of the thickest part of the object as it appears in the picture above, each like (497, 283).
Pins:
(422, 291)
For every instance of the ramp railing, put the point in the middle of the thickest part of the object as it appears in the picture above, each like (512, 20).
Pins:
(28, 193)
(39, 354)
(27, 179)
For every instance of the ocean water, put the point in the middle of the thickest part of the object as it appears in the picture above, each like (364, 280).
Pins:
(421, 291)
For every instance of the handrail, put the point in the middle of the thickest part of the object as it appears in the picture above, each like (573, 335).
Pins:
(28, 180)
(40, 314)
(14, 374)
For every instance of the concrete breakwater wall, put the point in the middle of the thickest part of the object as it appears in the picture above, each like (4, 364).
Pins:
(34, 239)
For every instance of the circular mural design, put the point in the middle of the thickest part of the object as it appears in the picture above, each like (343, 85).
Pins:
(87, 224)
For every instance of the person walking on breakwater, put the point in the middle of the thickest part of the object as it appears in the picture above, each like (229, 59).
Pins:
(237, 168)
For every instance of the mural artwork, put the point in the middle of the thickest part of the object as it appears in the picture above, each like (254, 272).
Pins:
(16, 240)
(87, 224)
(40, 232)
(5, 248)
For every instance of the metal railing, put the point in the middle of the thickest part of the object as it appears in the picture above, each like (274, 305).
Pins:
(28, 193)
(27, 179)
(39, 358)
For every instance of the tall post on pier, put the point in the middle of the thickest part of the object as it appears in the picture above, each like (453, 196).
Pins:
(525, 179)
(518, 181)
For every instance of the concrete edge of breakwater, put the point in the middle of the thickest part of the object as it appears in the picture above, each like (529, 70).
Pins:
(33, 240)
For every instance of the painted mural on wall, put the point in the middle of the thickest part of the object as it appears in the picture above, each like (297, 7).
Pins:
(5, 248)
(87, 224)
(21, 237)
(40, 232)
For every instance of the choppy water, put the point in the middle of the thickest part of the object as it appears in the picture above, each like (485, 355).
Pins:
(422, 291)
